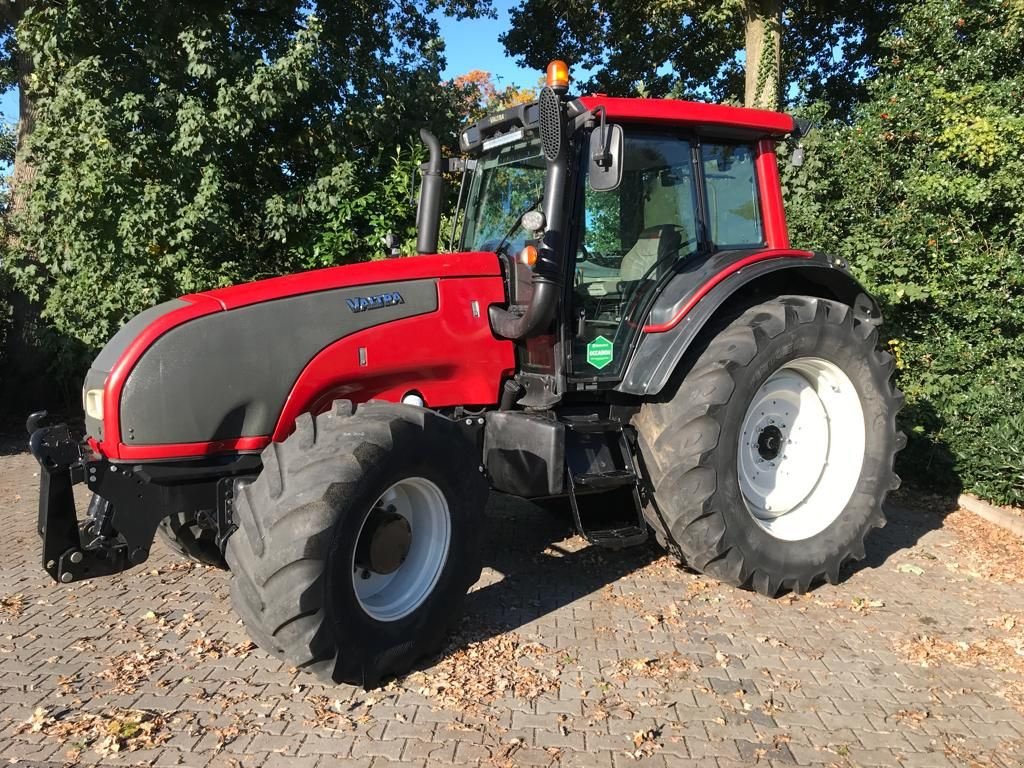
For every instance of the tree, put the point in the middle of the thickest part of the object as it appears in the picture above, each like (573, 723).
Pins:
(753, 51)
(177, 147)
(923, 194)
(15, 71)
(762, 53)
(481, 95)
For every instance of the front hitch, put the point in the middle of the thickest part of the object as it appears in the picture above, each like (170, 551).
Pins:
(72, 551)
(128, 503)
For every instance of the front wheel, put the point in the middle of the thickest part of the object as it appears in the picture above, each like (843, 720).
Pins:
(357, 543)
(770, 463)
(184, 534)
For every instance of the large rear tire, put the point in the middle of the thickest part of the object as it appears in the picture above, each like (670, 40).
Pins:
(770, 461)
(358, 541)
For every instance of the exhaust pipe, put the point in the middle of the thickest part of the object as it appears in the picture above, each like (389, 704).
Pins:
(428, 216)
(547, 272)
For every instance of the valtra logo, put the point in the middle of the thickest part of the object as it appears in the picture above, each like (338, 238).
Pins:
(363, 303)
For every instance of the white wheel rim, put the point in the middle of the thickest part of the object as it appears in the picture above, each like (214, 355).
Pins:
(392, 596)
(801, 448)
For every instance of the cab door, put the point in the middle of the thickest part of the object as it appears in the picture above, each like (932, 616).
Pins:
(628, 241)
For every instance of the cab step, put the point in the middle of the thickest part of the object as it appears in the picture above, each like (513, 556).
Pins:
(604, 489)
(602, 481)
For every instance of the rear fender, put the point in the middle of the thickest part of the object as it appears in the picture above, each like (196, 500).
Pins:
(687, 305)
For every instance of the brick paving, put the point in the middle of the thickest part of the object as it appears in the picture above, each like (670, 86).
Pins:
(567, 656)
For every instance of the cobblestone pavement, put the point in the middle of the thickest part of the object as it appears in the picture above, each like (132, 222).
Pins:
(567, 656)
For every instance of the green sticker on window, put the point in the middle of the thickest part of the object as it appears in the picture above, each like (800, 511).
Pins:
(600, 352)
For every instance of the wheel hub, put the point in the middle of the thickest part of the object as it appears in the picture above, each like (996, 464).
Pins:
(385, 541)
(769, 442)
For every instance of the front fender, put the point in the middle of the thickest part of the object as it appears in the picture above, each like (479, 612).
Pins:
(691, 300)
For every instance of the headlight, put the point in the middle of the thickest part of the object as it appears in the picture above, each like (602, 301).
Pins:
(94, 404)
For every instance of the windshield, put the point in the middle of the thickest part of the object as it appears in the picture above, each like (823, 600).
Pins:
(507, 182)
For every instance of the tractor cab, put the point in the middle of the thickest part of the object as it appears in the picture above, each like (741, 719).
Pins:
(608, 200)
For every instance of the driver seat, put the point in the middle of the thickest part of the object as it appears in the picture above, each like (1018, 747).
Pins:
(653, 244)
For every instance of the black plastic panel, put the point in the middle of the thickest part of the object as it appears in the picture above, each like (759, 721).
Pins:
(112, 351)
(524, 454)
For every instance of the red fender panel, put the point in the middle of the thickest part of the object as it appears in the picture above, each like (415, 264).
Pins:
(448, 358)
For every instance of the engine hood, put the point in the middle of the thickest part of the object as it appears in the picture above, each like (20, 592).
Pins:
(219, 365)
(476, 264)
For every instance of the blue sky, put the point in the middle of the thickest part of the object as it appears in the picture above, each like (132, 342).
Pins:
(473, 44)
(9, 106)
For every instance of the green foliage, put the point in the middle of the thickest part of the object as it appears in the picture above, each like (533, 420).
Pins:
(387, 206)
(694, 48)
(924, 194)
(180, 147)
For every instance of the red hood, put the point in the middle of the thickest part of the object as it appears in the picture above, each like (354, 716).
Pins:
(474, 264)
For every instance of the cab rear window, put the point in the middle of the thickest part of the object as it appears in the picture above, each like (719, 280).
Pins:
(734, 216)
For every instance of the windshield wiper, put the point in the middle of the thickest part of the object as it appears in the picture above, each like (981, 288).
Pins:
(516, 224)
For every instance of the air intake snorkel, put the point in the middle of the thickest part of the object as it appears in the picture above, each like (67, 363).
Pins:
(547, 271)
(428, 216)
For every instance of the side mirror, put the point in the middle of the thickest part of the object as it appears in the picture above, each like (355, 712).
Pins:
(605, 166)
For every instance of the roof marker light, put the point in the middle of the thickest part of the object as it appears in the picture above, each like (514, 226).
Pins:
(558, 75)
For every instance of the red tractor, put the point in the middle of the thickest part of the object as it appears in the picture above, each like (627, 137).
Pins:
(625, 325)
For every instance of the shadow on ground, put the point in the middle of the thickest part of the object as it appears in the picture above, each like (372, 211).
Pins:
(539, 576)
(906, 524)
(536, 573)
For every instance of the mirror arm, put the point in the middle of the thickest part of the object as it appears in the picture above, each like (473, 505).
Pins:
(604, 157)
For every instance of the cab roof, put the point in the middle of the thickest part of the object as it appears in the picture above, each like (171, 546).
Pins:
(693, 114)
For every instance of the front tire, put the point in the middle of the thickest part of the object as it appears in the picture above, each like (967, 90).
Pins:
(183, 534)
(357, 543)
(770, 462)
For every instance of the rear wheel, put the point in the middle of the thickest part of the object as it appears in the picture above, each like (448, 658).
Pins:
(770, 462)
(357, 543)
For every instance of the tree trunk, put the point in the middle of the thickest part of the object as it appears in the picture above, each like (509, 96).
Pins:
(24, 171)
(12, 12)
(764, 53)
(26, 383)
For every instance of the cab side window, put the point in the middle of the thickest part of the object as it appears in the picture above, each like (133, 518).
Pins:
(638, 230)
(734, 216)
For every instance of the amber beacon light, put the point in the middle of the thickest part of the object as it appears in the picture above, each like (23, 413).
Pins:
(558, 75)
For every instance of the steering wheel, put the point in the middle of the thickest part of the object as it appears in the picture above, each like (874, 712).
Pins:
(600, 259)
(631, 291)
